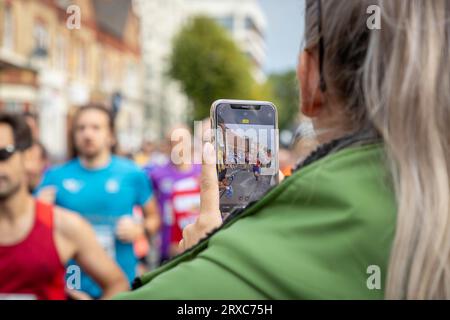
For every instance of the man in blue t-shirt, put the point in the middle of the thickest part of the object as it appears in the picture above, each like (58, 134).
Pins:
(104, 189)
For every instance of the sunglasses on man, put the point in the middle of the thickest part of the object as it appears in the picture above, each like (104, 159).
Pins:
(7, 152)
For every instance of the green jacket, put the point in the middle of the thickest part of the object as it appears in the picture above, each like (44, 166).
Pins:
(315, 236)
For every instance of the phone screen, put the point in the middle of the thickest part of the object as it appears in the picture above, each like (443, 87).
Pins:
(247, 153)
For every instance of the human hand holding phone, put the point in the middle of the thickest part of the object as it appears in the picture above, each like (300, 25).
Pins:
(210, 217)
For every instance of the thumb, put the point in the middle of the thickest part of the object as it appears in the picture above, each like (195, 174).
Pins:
(209, 194)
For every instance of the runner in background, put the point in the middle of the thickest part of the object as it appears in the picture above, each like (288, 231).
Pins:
(143, 157)
(159, 156)
(36, 239)
(141, 245)
(164, 178)
(286, 162)
(186, 208)
(33, 123)
(104, 189)
(36, 163)
(146, 248)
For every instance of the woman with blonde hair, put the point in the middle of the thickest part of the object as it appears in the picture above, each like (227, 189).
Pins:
(368, 215)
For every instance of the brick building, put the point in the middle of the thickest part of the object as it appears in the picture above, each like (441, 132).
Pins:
(50, 69)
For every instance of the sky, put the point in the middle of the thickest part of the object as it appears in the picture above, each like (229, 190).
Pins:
(284, 33)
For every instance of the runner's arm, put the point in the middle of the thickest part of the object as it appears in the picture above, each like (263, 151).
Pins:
(147, 201)
(89, 254)
(152, 218)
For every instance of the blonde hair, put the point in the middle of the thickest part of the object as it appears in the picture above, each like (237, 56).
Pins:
(397, 80)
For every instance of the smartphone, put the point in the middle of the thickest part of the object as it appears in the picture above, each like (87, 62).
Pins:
(245, 136)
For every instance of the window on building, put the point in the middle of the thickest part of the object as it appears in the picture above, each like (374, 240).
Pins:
(82, 63)
(61, 54)
(250, 25)
(8, 29)
(41, 37)
(104, 72)
(131, 73)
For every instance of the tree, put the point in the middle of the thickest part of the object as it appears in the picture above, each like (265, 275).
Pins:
(286, 95)
(209, 65)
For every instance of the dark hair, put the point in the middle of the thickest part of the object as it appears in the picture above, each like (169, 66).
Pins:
(88, 107)
(29, 114)
(44, 153)
(21, 131)
(97, 107)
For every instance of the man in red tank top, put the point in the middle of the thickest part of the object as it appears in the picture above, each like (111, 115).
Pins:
(37, 240)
